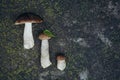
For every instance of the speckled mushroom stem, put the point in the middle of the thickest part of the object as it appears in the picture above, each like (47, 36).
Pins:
(28, 36)
(45, 60)
(61, 64)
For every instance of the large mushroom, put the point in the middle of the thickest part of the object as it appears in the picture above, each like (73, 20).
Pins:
(45, 59)
(28, 19)
(61, 63)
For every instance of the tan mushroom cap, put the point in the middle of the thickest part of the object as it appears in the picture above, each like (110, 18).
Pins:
(43, 37)
(28, 18)
(61, 57)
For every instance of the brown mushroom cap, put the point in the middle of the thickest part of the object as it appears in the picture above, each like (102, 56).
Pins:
(43, 37)
(60, 57)
(28, 17)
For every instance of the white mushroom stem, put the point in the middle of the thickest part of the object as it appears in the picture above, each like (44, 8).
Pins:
(45, 61)
(61, 64)
(28, 36)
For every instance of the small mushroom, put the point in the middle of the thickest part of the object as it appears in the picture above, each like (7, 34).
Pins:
(61, 63)
(28, 19)
(45, 59)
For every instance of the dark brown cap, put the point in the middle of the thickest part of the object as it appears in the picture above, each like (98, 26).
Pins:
(60, 57)
(28, 17)
(43, 37)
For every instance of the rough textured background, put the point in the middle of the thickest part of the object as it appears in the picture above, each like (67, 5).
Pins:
(87, 32)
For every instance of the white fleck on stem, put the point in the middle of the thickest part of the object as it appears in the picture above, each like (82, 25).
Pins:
(45, 60)
(28, 36)
(61, 64)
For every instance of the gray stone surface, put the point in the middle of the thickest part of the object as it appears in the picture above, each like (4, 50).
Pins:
(87, 32)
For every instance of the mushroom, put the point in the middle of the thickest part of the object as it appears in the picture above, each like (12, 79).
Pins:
(45, 61)
(28, 19)
(61, 63)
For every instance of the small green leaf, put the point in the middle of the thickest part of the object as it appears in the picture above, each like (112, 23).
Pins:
(48, 33)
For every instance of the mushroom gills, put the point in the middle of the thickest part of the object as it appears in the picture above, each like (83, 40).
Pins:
(28, 36)
(45, 60)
